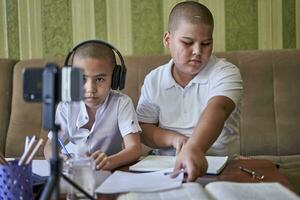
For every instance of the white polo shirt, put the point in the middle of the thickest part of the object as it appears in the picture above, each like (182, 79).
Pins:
(114, 119)
(165, 102)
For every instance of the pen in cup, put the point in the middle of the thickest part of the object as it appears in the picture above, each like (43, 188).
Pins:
(34, 151)
(27, 139)
(28, 151)
(253, 173)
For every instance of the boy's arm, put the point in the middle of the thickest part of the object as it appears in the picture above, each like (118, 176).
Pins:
(130, 153)
(156, 137)
(209, 127)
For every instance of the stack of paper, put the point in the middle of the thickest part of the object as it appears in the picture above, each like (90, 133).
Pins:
(156, 163)
(121, 181)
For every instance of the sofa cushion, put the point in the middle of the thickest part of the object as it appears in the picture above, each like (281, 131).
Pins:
(270, 105)
(6, 70)
(286, 72)
(26, 118)
(137, 68)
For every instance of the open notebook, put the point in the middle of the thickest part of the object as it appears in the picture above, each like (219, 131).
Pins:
(218, 191)
(156, 163)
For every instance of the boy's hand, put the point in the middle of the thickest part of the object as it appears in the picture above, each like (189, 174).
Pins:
(64, 157)
(192, 160)
(178, 142)
(101, 159)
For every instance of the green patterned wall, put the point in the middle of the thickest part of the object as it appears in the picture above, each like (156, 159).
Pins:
(56, 27)
(100, 19)
(147, 35)
(288, 22)
(136, 27)
(12, 28)
(244, 16)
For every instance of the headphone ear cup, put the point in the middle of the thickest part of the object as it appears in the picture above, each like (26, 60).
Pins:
(115, 82)
(122, 78)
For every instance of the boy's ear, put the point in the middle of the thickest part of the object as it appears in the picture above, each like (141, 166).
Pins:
(166, 39)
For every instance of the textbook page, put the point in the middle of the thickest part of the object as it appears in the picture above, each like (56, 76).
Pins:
(155, 163)
(191, 191)
(248, 191)
(121, 181)
(220, 190)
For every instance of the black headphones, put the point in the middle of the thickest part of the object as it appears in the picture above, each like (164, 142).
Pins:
(119, 73)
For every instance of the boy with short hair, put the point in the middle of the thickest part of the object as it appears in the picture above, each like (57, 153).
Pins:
(191, 104)
(105, 120)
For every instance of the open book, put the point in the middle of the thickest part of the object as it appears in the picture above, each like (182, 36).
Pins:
(218, 191)
(156, 163)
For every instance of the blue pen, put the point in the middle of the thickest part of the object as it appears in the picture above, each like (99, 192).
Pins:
(64, 148)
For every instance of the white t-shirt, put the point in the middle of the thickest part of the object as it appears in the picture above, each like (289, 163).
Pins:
(114, 119)
(165, 102)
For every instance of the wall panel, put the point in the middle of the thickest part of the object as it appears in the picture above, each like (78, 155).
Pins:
(47, 28)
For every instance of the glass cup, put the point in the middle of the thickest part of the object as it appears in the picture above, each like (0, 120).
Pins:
(81, 171)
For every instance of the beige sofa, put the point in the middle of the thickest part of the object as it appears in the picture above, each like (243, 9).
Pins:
(270, 122)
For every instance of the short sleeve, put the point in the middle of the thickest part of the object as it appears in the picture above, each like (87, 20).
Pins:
(227, 81)
(147, 110)
(127, 118)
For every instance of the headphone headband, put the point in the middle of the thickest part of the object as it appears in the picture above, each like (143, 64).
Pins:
(119, 74)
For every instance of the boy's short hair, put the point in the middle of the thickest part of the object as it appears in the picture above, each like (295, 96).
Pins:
(96, 51)
(189, 11)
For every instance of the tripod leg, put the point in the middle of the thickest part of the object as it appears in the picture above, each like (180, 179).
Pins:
(49, 188)
(52, 187)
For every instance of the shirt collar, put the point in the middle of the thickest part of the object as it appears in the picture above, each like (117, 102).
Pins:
(168, 80)
(83, 116)
(200, 78)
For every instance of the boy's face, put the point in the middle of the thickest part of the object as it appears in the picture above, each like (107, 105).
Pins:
(190, 47)
(97, 79)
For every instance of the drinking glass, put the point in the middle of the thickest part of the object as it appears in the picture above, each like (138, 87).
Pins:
(81, 171)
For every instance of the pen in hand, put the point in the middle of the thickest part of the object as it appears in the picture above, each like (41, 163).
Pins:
(253, 173)
(64, 148)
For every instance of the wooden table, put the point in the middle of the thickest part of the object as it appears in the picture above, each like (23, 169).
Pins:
(232, 173)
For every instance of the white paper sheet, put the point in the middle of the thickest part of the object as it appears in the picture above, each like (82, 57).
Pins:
(41, 167)
(120, 182)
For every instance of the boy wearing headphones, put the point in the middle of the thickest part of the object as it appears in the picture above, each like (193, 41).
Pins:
(105, 122)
